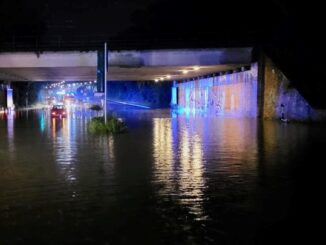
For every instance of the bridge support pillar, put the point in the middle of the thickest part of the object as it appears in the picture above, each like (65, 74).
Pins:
(174, 95)
(10, 100)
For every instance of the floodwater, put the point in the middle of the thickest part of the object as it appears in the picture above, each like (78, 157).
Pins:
(171, 179)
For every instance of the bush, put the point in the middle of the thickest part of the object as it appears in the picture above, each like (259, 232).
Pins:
(113, 125)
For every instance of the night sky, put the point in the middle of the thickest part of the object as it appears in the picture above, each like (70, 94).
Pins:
(196, 23)
(69, 19)
(290, 32)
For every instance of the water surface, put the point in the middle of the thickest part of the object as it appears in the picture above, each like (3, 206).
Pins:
(171, 179)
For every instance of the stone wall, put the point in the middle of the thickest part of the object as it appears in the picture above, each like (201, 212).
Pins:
(279, 96)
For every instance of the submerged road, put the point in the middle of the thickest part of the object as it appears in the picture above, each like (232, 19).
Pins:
(171, 179)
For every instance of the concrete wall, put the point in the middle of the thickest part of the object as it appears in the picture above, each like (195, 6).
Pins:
(278, 90)
(229, 95)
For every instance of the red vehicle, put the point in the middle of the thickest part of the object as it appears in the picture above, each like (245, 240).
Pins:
(58, 111)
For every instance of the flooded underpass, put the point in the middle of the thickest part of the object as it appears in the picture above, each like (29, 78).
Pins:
(170, 179)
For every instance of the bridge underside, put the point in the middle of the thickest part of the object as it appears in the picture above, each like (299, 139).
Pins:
(123, 65)
(114, 73)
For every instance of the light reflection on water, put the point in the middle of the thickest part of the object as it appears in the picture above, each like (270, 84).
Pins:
(64, 147)
(178, 164)
(10, 127)
(168, 180)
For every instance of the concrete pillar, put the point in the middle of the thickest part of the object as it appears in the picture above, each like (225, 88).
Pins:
(3, 97)
(174, 95)
(9, 95)
(6, 97)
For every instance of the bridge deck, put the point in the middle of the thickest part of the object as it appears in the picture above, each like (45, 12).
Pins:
(123, 65)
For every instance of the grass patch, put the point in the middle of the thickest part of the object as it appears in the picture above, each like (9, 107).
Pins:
(112, 126)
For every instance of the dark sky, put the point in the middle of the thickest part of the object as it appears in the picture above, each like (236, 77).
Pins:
(224, 23)
(221, 18)
(68, 18)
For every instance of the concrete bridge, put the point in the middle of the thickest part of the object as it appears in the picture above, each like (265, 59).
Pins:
(147, 65)
(250, 89)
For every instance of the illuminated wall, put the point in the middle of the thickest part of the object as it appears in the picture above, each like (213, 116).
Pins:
(229, 95)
